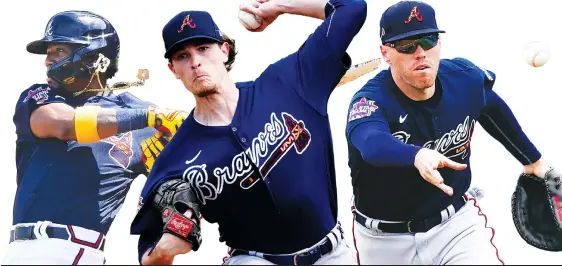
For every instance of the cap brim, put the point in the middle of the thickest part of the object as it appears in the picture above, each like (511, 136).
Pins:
(176, 46)
(40, 46)
(413, 33)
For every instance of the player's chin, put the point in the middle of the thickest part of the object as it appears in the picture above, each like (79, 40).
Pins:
(424, 83)
(206, 91)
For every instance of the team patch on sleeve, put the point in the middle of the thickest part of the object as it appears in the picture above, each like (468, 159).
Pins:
(39, 95)
(362, 108)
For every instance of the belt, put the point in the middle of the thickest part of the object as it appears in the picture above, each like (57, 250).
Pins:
(27, 232)
(307, 257)
(415, 225)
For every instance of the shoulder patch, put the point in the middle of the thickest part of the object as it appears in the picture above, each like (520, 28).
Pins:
(39, 95)
(362, 108)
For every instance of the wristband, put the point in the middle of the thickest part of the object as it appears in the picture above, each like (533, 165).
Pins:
(86, 124)
(131, 119)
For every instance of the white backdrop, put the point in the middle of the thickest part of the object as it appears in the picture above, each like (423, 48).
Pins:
(490, 33)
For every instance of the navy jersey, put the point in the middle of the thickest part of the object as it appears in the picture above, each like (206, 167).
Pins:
(386, 185)
(67, 182)
(268, 178)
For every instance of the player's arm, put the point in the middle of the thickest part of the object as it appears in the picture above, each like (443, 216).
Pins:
(500, 122)
(87, 124)
(368, 131)
(319, 64)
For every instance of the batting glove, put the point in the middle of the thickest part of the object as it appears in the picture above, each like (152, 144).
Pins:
(166, 121)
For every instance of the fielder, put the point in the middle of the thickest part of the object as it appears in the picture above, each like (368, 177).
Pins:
(255, 157)
(409, 131)
(79, 146)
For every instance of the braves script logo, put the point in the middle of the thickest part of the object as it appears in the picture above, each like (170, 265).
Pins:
(282, 135)
(415, 13)
(121, 151)
(362, 108)
(40, 95)
(451, 144)
(180, 225)
(187, 21)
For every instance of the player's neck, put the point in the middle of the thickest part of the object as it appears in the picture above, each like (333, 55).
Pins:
(217, 109)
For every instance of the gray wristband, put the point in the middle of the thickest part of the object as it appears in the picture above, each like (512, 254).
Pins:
(131, 119)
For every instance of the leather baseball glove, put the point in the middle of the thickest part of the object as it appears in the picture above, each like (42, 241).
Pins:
(173, 198)
(536, 206)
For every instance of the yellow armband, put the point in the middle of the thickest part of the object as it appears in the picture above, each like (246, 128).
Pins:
(86, 124)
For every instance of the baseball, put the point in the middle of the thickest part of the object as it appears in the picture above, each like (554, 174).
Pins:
(536, 54)
(248, 20)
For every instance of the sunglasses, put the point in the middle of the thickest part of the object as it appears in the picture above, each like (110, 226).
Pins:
(410, 46)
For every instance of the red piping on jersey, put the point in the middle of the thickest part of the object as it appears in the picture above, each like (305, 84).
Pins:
(480, 213)
(74, 239)
(353, 235)
(78, 256)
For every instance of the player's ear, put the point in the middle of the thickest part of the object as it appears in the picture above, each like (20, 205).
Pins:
(171, 67)
(225, 49)
(384, 53)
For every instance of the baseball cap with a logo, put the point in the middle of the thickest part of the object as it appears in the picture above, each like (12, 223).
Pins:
(189, 25)
(406, 19)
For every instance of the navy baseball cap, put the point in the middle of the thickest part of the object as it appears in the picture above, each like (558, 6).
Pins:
(188, 25)
(406, 19)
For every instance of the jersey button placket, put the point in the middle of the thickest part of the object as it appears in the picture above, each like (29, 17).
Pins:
(436, 123)
(235, 131)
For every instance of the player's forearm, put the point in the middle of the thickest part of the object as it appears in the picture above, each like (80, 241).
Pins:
(84, 124)
(307, 8)
(500, 122)
(157, 257)
(379, 148)
(350, 15)
(93, 123)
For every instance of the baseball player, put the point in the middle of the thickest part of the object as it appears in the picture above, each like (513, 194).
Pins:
(409, 131)
(79, 146)
(255, 157)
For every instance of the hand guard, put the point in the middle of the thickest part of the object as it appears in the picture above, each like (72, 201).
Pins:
(165, 120)
(151, 148)
(536, 206)
(173, 198)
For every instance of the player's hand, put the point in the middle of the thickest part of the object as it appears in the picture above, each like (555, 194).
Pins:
(165, 120)
(167, 248)
(267, 10)
(428, 161)
(170, 246)
(151, 148)
(538, 168)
